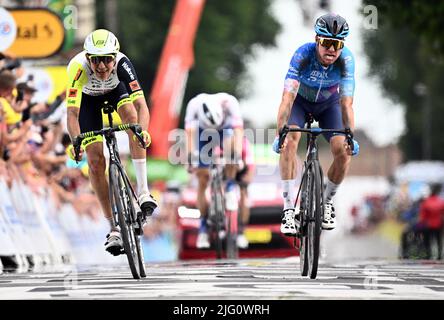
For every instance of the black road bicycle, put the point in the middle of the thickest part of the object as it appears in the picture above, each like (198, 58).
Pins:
(311, 190)
(223, 223)
(126, 209)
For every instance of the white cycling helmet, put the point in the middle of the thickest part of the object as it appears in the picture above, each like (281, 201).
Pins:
(101, 42)
(211, 114)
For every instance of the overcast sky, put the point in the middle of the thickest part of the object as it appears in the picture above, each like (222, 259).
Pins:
(381, 119)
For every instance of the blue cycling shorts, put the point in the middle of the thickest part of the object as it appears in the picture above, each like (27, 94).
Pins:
(210, 139)
(327, 113)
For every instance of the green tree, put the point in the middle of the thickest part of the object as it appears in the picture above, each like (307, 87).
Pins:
(405, 53)
(227, 34)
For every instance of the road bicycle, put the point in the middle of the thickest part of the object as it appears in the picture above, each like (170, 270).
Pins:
(311, 206)
(223, 223)
(126, 209)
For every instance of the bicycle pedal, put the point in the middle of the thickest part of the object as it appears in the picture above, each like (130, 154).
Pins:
(138, 227)
(115, 251)
(290, 235)
(148, 208)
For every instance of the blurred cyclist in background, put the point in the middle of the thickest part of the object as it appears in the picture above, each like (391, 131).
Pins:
(213, 120)
(98, 74)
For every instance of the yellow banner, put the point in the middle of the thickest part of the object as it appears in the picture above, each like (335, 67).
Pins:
(40, 33)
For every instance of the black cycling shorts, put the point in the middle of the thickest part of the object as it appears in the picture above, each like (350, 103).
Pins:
(90, 117)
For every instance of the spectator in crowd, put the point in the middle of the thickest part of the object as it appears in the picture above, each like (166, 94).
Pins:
(160, 241)
(412, 235)
(8, 62)
(431, 212)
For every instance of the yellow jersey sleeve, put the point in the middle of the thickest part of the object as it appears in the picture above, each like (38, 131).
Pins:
(76, 80)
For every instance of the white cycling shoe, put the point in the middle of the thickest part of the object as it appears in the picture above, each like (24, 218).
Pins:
(203, 241)
(329, 222)
(147, 203)
(288, 226)
(114, 243)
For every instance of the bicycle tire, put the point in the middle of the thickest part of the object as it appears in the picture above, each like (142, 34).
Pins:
(217, 212)
(136, 234)
(125, 208)
(231, 237)
(303, 243)
(315, 219)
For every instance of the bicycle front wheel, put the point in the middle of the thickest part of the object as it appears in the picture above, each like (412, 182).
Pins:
(303, 238)
(315, 211)
(126, 218)
(232, 231)
(217, 211)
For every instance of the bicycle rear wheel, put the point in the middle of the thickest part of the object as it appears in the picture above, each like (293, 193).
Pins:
(315, 212)
(126, 217)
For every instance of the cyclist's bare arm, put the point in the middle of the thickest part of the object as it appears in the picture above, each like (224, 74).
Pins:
(189, 146)
(238, 136)
(73, 122)
(143, 113)
(288, 96)
(73, 127)
(191, 126)
(348, 118)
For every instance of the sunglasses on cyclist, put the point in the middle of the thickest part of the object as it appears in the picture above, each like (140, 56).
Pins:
(105, 59)
(328, 42)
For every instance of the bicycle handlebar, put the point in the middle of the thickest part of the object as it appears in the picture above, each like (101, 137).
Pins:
(134, 127)
(316, 131)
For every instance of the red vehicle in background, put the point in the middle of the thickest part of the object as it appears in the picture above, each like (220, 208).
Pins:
(263, 230)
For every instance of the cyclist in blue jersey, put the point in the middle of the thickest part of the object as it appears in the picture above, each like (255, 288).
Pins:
(320, 81)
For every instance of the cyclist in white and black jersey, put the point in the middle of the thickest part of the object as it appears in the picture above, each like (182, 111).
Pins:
(99, 74)
(213, 120)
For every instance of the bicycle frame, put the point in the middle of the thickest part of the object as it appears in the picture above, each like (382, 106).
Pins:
(217, 207)
(122, 203)
(312, 200)
(229, 217)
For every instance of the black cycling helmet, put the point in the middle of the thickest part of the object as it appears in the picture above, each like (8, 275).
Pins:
(331, 25)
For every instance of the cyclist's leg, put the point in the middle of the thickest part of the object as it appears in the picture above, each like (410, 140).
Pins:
(205, 151)
(203, 177)
(128, 114)
(90, 118)
(330, 117)
(232, 148)
(97, 166)
(244, 178)
(288, 165)
(205, 141)
(287, 160)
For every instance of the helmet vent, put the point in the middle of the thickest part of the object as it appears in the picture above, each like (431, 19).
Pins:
(208, 114)
(335, 27)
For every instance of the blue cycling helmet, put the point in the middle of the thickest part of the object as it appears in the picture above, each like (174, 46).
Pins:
(331, 25)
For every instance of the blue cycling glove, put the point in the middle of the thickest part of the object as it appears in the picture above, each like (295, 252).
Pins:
(355, 151)
(275, 145)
